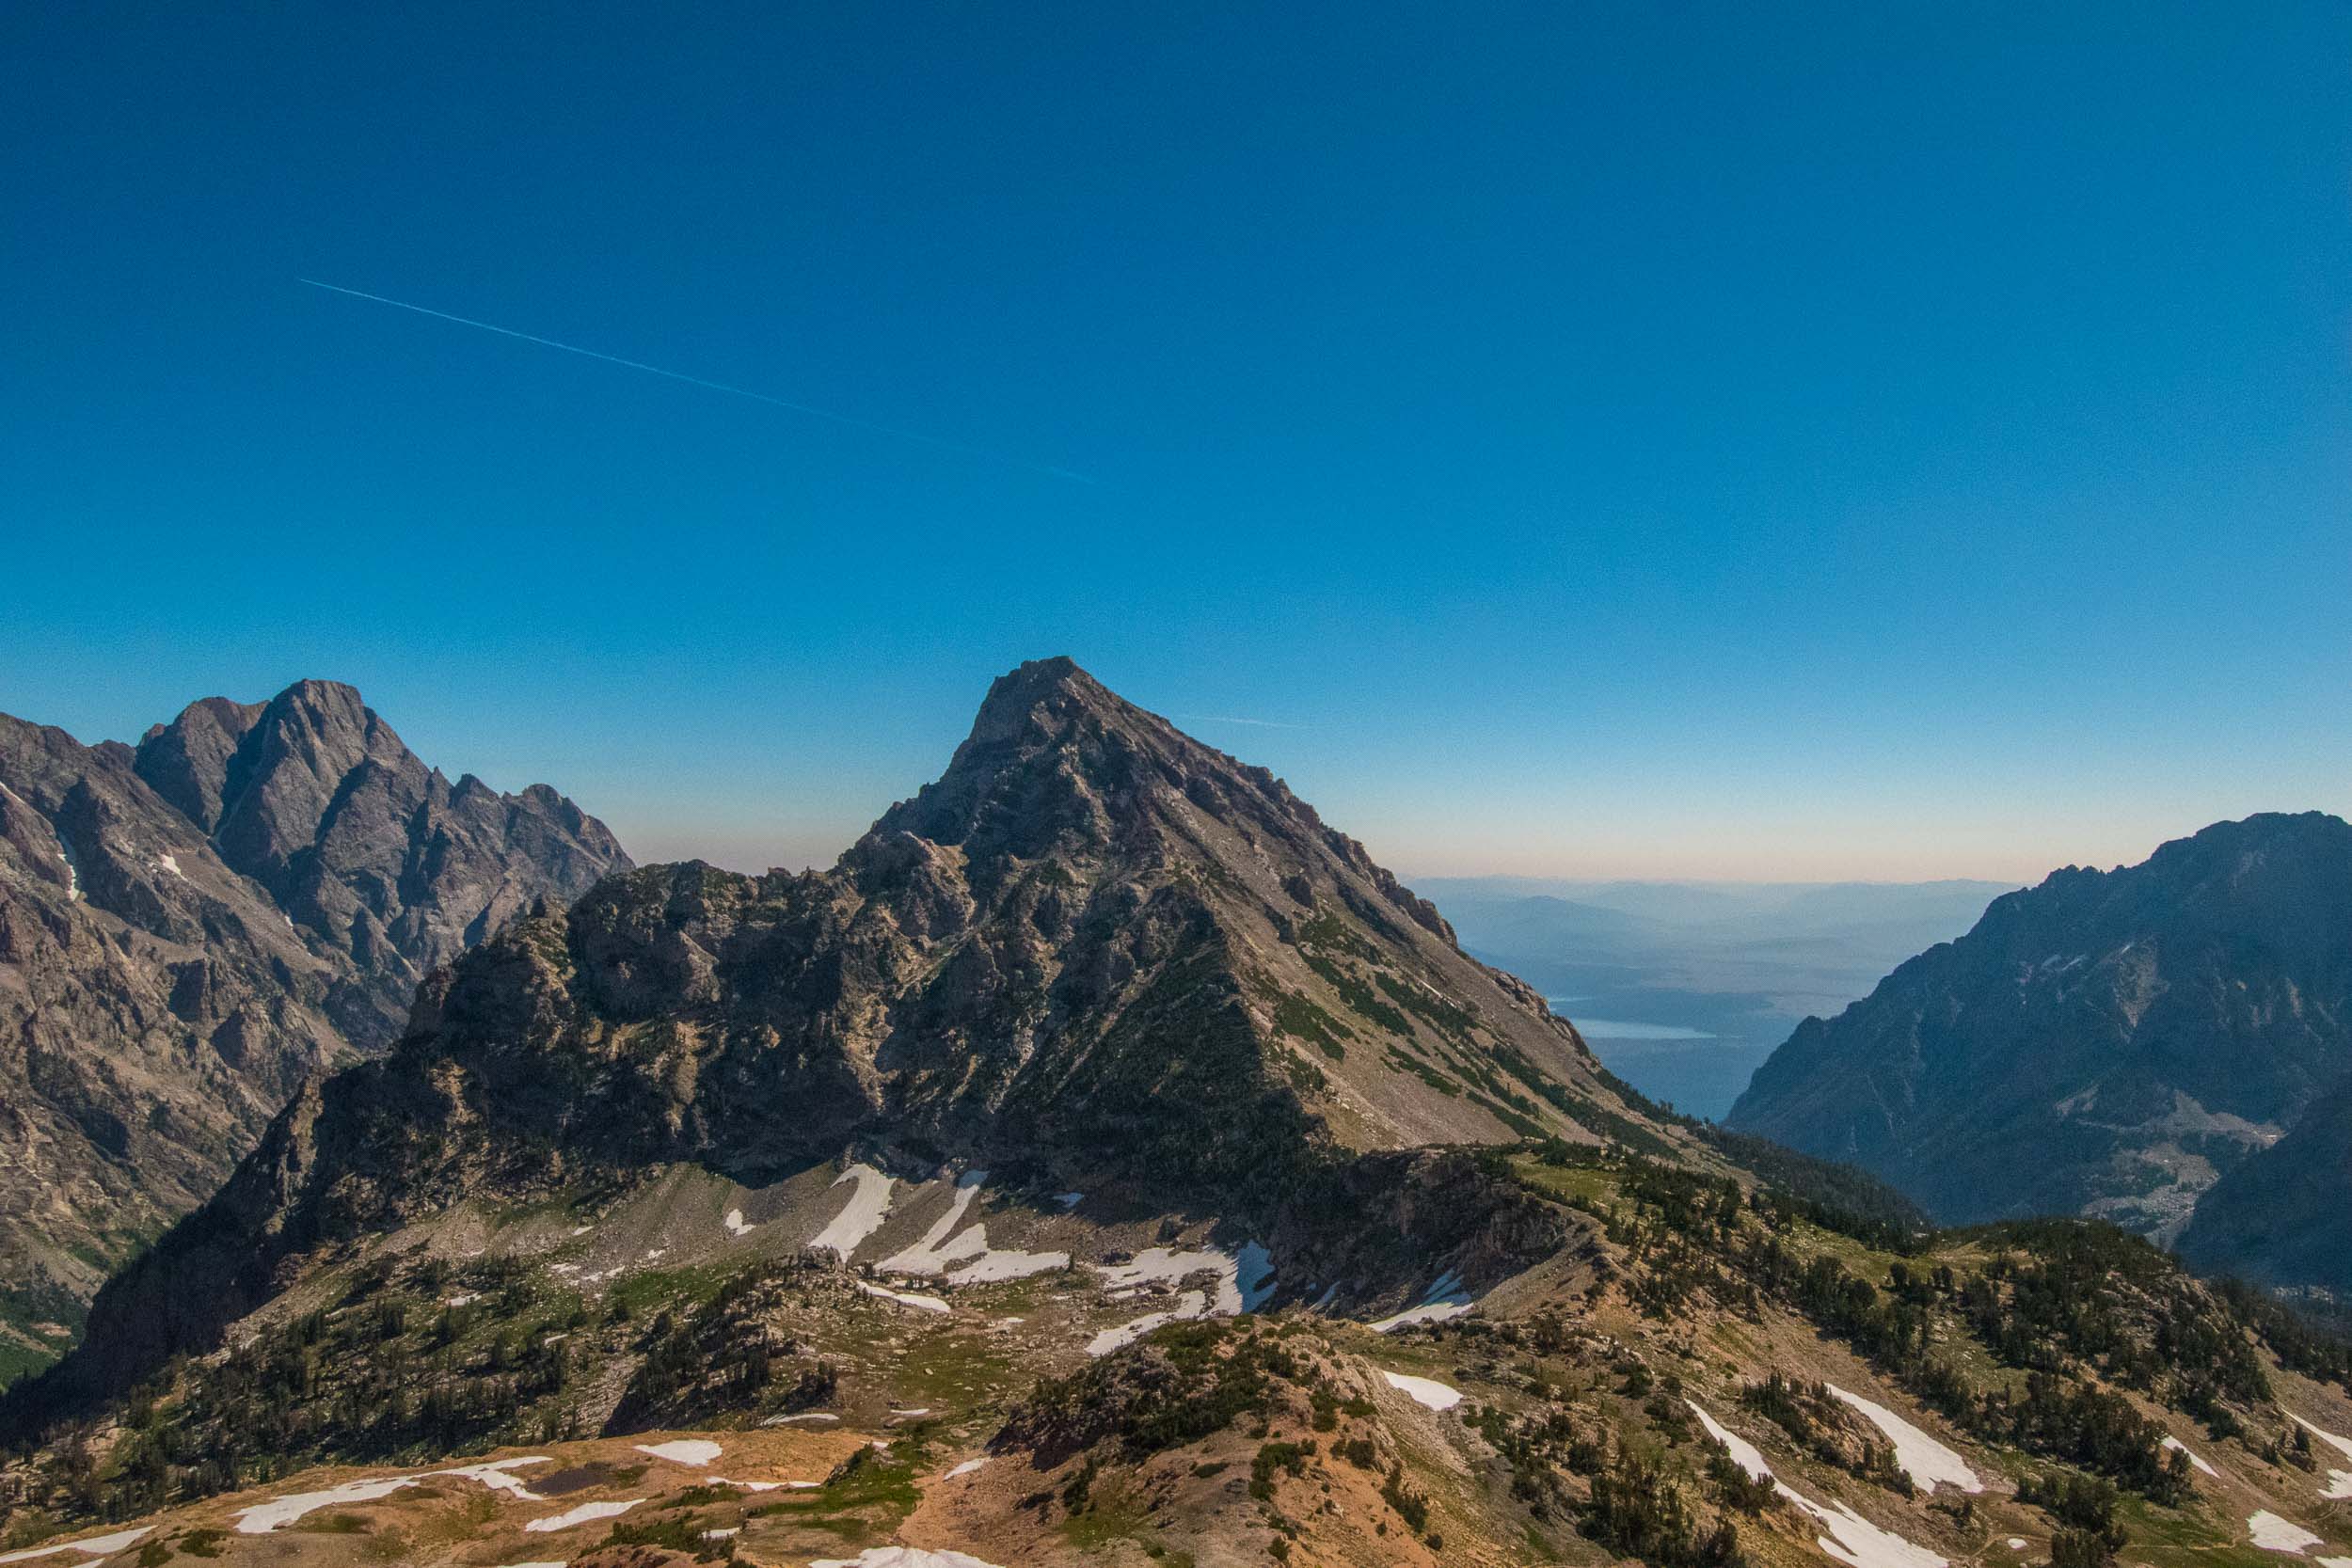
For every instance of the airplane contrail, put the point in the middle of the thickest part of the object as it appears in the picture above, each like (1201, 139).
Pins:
(851, 420)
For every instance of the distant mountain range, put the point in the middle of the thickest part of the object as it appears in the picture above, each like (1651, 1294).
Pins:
(1685, 987)
(191, 927)
(2165, 1045)
(1104, 1161)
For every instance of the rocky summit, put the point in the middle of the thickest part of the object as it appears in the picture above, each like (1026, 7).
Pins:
(190, 929)
(2111, 1044)
(374, 854)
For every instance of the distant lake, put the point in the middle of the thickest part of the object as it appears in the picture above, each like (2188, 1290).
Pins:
(1626, 1029)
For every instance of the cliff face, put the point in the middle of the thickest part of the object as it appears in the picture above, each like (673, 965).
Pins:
(313, 797)
(189, 930)
(2111, 1044)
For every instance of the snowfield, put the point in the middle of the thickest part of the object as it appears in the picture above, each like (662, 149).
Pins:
(1851, 1538)
(261, 1518)
(1243, 1284)
(2180, 1447)
(2338, 1482)
(96, 1546)
(967, 1258)
(683, 1450)
(869, 1205)
(1424, 1390)
(902, 1557)
(1446, 1299)
(1927, 1462)
(585, 1513)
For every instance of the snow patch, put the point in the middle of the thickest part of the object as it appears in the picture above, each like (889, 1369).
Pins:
(1253, 1275)
(906, 1298)
(935, 1253)
(1859, 1543)
(2274, 1534)
(1851, 1538)
(2176, 1445)
(494, 1476)
(1743, 1454)
(2338, 1482)
(2016, 1543)
(1446, 1298)
(965, 1468)
(169, 864)
(1927, 1462)
(1070, 1200)
(1243, 1284)
(1423, 1391)
(96, 1546)
(902, 1557)
(584, 1513)
(968, 1259)
(683, 1450)
(803, 1415)
(261, 1518)
(870, 1203)
(1192, 1304)
(72, 871)
(735, 1225)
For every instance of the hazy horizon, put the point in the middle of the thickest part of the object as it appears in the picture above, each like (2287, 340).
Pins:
(631, 788)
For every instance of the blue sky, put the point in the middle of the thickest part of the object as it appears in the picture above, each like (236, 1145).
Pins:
(1698, 441)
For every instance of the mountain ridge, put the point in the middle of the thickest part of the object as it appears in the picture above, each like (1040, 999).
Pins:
(1093, 949)
(1105, 1161)
(2113, 1042)
(159, 1003)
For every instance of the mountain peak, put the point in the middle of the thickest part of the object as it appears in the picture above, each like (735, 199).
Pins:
(1043, 695)
(322, 695)
(2059, 1054)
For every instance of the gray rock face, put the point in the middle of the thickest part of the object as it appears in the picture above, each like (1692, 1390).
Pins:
(189, 932)
(314, 798)
(2110, 1043)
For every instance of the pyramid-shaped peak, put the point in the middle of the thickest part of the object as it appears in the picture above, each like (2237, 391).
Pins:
(1051, 753)
(1044, 693)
